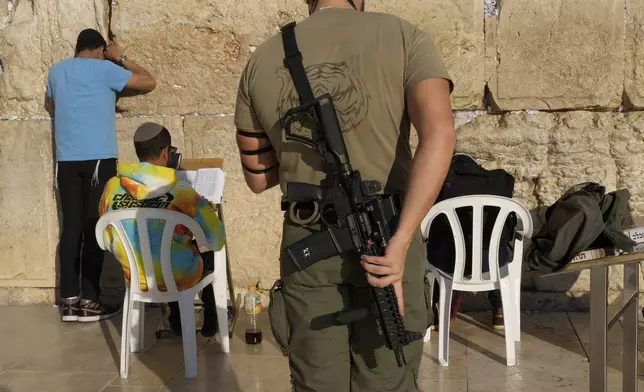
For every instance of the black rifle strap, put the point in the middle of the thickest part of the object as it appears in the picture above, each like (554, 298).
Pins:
(294, 62)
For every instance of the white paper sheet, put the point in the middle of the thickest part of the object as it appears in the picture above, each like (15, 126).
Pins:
(189, 177)
(209, 183)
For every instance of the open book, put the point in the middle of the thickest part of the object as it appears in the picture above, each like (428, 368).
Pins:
(209, 183)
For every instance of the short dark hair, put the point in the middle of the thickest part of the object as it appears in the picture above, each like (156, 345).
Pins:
(89, 39)
(151, 148)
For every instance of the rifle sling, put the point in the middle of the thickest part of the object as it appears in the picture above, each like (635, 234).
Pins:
(294, 62)
(330, 241)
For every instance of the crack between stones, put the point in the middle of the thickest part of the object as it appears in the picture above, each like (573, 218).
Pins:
(625, 103)
(486, 76)
(120, 115)
(535, 191)
(110, 33)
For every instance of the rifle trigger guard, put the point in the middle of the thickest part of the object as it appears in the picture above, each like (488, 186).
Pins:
(294, 214)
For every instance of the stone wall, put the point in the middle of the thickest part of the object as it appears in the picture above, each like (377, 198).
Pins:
(548, 90)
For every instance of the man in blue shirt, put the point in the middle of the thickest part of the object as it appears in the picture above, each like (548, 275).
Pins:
(82, 94)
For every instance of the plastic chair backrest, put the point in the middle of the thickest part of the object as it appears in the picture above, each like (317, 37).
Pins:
(478, 203)
(141, 216)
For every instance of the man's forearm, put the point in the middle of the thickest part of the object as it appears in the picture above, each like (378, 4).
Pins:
(430, 166)
(134, 67)
(261, 183)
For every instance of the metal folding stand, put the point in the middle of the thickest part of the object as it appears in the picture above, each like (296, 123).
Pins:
(603, 316)
(235, 301)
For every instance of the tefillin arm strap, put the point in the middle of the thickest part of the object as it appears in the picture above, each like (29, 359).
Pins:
(332, 240)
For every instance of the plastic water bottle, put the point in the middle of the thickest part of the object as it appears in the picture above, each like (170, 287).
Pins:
(253, 308)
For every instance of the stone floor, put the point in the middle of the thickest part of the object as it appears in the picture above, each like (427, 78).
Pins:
(39, 353)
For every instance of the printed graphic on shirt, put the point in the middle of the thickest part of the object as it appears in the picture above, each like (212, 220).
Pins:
(349, 91)
(127, 201)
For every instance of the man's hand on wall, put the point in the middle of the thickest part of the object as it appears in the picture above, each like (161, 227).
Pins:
(114, 51)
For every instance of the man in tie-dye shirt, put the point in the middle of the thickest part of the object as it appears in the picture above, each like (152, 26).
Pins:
(153, 184)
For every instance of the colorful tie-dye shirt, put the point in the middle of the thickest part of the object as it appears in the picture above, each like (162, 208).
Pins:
(144, 185)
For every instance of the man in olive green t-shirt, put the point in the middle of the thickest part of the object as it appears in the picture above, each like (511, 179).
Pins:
(383, 74)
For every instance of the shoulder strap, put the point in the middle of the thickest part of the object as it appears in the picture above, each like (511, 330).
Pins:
(293, 61)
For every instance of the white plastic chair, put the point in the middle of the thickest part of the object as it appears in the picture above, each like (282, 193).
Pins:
(507, 279)
(132, 331)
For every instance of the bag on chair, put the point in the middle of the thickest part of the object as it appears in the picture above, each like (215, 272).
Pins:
(464, 178)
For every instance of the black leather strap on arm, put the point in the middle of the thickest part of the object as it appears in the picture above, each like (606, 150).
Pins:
(294, 62)
(258, 171)
(258, 151)
(255, 135)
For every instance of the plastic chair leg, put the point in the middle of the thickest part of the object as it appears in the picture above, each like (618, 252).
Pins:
(125, 336)
(138, 326)
(509, 320)
(189, 334)
(142, 326)
(219, 291)
(516, 294)
(432, 282)
(443, 320)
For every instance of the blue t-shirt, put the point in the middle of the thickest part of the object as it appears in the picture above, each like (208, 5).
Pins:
(84, 93)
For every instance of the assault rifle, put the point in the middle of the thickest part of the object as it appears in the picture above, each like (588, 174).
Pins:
(355, 217)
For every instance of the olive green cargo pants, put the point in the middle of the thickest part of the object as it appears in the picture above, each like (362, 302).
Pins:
(325, 358)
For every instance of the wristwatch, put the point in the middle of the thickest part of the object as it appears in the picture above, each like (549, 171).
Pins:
(122, 59)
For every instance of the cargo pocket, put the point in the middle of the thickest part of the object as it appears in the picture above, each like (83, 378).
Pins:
(428, 290)
(277, 315)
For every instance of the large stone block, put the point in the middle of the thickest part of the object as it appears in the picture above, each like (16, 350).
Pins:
(253, 222)
(556, 54)
(549, 153)
(579, 151)
(456, 27)
(196, 50)
(517, 143)
(28, 218)
(634, 71)
(33, 36)
(627, 145)
(126, 126)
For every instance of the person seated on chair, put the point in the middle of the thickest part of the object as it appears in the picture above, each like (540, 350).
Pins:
(152, 183)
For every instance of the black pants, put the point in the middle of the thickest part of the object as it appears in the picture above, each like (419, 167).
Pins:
(495, 299)
(207, 294)
(81, 259)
